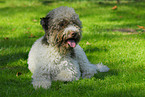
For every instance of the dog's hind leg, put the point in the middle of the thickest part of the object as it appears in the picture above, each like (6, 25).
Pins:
(69, 70)
(67, 75)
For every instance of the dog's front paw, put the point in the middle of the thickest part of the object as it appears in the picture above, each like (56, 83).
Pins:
(90, 71)
(41, 83)
(102, 68)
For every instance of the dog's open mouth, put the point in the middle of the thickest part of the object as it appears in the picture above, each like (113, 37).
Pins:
(71, 42)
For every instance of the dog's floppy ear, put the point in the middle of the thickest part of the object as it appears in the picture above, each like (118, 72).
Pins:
(44, 22)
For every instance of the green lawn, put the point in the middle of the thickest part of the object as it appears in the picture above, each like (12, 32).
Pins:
(123, 52)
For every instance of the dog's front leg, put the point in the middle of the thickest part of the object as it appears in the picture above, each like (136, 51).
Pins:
(41, 79)
(69, 70)
(88, 69)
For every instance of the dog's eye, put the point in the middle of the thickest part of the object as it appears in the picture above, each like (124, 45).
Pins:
(63, 23)
(75, 23)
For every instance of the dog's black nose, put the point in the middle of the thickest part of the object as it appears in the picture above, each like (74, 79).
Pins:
(73, 34)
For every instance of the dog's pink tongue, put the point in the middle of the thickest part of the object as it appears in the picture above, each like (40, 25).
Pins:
(72, 43)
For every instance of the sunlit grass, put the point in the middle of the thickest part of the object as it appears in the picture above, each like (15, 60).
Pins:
(122, 52)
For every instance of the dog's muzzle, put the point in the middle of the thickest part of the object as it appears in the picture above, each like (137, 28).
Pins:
(72, 36)
(71, 40)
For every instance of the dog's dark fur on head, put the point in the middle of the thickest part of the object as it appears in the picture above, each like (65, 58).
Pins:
(55, 24)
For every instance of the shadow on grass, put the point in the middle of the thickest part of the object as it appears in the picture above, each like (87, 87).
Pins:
(15, 85)
(12, 11)
(47, 2)
(131, 4)
(2, 1)
(14, 49)
(102, 75)
(5, 59)
(94, 49)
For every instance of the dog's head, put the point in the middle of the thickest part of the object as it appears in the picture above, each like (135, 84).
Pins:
(62, 28)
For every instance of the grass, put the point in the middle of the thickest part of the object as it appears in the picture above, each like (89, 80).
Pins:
(122, 52)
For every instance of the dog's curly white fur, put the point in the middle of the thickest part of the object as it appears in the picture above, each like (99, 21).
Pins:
(57, 55)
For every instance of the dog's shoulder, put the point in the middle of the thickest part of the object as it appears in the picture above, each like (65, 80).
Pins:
(38, 47)
(39, 43)
(78, 48)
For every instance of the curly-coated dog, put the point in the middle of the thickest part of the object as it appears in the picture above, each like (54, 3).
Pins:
(57, 55)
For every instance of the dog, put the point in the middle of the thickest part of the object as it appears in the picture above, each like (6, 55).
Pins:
(57, 55)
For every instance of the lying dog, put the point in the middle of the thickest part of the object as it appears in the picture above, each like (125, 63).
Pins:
(57, 55)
